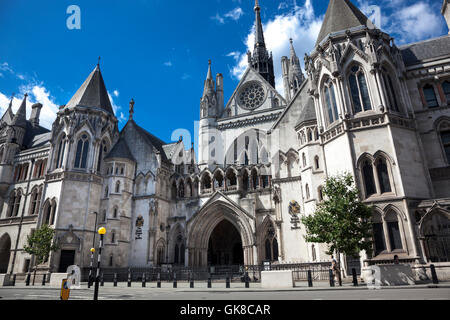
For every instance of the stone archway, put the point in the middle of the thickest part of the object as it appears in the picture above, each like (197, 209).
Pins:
(5, 252)
(225, 245)
(213, 222)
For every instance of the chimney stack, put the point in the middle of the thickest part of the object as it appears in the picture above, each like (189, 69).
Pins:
(35, 113)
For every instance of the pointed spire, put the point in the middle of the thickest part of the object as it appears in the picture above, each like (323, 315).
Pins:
(92, 93)
(209, 82)
(20, 119)
(259, 34)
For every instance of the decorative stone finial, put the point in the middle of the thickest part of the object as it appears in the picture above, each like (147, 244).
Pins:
(131, 109)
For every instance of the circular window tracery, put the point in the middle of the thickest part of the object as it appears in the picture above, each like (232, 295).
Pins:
(251, 96)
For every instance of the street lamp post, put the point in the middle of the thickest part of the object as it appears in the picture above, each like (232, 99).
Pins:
(90, 267)
(167, 245)
(101, 232)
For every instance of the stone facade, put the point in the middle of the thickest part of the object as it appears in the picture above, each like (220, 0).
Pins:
(363, 106)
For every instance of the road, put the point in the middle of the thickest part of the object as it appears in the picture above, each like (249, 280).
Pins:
(152, 293)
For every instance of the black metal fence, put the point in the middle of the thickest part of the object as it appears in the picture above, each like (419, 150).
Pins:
(235, 273)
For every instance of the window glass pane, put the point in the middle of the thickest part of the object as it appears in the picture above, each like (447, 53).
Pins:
(378, 234)
(391, 87)
(355, 93)
(78, 153)
(329, 108)
(268, 250)
(333, 101)
(368, 179)
(446, 88)
(394, 235)
(430, 96)
(383, 177)
(445, 136)
(364, 91)
(85, 154)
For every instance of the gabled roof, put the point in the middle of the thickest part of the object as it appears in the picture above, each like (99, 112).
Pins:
(170, 148)
(155, 142)
(415, 53)
(120, 150)
(308, 113)
(342, 15)
(92, 93)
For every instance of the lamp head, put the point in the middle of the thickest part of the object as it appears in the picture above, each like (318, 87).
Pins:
(102, 231)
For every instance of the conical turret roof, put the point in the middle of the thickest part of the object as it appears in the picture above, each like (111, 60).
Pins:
(342, 15)
(92, 93)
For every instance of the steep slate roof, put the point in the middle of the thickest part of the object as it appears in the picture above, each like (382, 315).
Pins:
(308, 113)
(149, 138)
(169, 149)
(342, 15)
(425, 50)
(92, 93)
(120, 150)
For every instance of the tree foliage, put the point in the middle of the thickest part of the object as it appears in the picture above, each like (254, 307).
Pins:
(40, 243)
(341, 220)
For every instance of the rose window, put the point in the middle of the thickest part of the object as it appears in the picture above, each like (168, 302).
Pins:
(251, 96)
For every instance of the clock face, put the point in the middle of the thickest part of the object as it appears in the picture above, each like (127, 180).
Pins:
(251, 96)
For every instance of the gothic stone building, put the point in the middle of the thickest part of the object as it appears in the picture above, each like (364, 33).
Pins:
(363, 105)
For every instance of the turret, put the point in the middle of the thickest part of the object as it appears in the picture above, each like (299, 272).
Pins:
(208, 102)
(261, 60)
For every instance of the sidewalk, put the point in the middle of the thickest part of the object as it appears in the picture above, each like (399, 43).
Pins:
(234, 287)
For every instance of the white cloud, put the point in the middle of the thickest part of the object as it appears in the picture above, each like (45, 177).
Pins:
(234, 15)
(300, 23)
(185, 76)
(407, 21)
(36, 93)
(116, 108)
(168, 64)
(116, 93)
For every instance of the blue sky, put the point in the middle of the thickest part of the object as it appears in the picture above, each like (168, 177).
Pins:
(157, 51)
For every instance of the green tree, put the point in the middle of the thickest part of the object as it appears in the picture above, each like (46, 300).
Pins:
(341, 220)
(40, 244)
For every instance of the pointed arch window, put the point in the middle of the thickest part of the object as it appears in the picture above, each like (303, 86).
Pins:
(430, 96)
(82, 152)
(444, 133)
(369, 181)
(330, 101)
(383, 176)
(378, 233)
(12, 201)
(117, 186)
(61, 151)
(446, 89)
(102, 152)
(245, 181)
(359, 91)
(271, 245)
(316, 162)
(395, 239)
(115, 213)
(307, 192)
(255, 179)
(390, 91)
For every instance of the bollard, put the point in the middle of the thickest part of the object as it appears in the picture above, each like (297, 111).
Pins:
(115, 280)
(129, 278)
(14, 280)
(158, 282)
(174, 280)
(143, 280)
(227, 281)
(331, 278)
(102, 280)
(209, 281)
(434, 274)
(310, 282)
(27, 282)
(355, 278)
(43, 279)
(247, 283)
(191, 280)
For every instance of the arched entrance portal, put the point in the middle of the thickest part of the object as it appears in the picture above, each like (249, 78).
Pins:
(5, 252)
(221, 233)
(225, 245)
